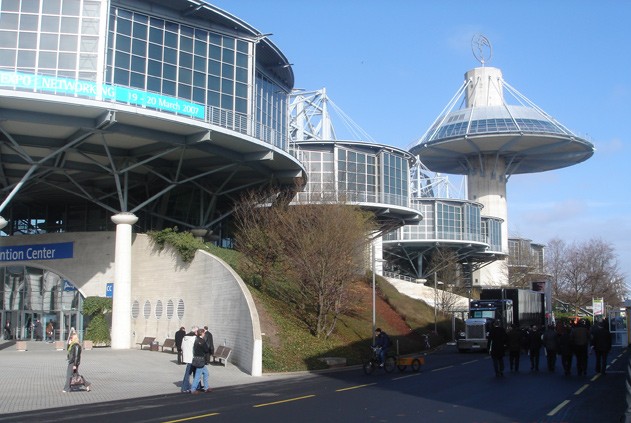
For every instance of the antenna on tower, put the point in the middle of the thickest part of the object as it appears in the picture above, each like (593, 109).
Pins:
(481, 48)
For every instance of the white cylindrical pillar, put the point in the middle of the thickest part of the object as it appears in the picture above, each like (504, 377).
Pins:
(3, 222)
(121, 312)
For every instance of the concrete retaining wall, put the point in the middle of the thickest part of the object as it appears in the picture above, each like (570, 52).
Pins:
(166, 292)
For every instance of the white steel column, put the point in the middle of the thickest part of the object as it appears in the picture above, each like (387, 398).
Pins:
(121, 313)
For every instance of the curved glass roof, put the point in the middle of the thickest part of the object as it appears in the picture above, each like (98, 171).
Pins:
(493, 120)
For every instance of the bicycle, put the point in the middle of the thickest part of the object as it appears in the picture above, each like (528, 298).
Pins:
(374, 361)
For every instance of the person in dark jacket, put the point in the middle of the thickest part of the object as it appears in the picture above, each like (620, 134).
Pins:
(382, 340)
(601, 342)
(566, 349)
(580, 344)
(208, 338)
(534, 347)
(551, 344)
(74, 359)
(514, 343)
(200, 348)
(497, 347)
(179, 335)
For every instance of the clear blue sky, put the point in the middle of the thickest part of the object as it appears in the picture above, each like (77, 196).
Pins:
(392, 66)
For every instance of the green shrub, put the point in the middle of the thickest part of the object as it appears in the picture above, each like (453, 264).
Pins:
(184, 243)
(98, 330)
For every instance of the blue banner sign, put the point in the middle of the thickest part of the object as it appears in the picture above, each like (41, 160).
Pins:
(109, 290)
(63, 250)
(44, 83)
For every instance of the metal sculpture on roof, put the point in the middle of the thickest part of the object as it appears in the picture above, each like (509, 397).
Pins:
(482, 49)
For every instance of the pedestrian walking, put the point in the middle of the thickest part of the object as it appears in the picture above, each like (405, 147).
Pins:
(515, 341)
(187, 357)
(200, 349)
(497, 347)
(566, 349)
(580, 344)
(551, 345)
(601, 342)
(74, 360)
(208, 339)
(179, 336)
(534, 347)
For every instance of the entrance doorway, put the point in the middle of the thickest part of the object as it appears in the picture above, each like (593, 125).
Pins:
(29, 294)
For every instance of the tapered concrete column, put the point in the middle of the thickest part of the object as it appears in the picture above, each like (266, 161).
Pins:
(3, 222)
(121, 313)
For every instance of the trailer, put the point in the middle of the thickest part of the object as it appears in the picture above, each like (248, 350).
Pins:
(521, 308)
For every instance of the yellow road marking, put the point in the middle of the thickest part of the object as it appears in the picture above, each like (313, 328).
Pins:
(201, 416)
(558, 407)
(354, 387)
(283, 401)
(581, 389)
(596, 376)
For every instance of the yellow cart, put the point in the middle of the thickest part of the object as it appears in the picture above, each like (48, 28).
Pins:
(415, 363)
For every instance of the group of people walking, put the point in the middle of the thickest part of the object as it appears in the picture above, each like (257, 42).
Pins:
(195, 349)
(566, 341)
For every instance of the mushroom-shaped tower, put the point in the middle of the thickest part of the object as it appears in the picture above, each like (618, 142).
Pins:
(488, 140)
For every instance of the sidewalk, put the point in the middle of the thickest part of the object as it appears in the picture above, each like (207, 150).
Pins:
(33, 379)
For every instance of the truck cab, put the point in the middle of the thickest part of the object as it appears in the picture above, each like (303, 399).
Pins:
(482, 314)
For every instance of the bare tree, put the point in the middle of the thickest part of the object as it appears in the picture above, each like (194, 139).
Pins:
(555, 264)
(316, 250)
(256, 238)
(583, 271)
(445, 264)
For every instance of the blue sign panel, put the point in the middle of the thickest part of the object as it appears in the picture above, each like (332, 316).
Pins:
(109, 290)
(68, 287)
(44, 83)
(63, 250)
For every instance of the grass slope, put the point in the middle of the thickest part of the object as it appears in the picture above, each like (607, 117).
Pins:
(288, 345)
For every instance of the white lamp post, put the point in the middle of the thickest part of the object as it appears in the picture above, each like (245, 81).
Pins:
(374, 283)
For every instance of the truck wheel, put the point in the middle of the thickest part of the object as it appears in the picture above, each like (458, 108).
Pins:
(416, 365)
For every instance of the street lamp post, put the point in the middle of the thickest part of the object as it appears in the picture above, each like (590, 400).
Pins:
(374, 281)
(435, 305)
(374, 284)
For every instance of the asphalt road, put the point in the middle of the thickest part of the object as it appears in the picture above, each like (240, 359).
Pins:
(450, 387)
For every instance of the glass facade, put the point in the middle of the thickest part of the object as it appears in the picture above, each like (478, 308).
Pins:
(271, 112)
(53, 37)
(457, 220)
(449, 221)
(176, 60)
(29, 295)
(320, 167)
(357, 176)
(492, 232)
(396, 179)
(148, 61)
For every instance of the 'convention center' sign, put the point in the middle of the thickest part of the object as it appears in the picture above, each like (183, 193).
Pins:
(43, 83)
(62, 250)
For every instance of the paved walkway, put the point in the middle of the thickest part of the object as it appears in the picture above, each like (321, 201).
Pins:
(33, 379)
